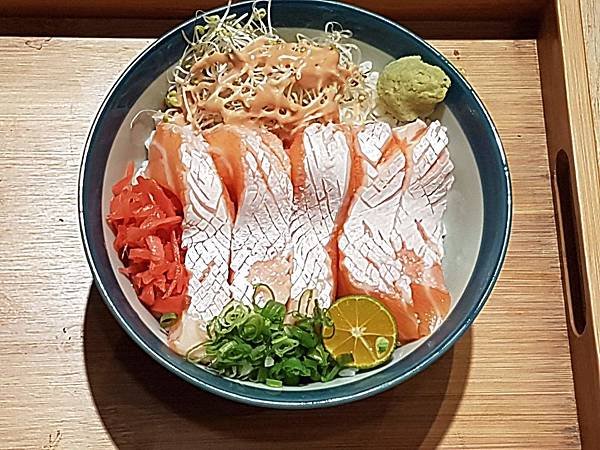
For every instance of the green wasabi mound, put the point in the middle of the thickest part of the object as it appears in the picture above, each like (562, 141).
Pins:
(410, 88)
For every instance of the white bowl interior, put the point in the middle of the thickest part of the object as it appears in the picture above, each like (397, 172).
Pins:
(463, 219)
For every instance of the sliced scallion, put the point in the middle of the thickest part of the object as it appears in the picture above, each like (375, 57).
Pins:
(262, 294)
(167, 320)
(257, 343)
(269, 361)
(273, 383)
(305, 301)
(348, 372)
(381, 345)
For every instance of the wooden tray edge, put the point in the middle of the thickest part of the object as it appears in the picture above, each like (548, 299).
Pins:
(183, 9)
(568, 114)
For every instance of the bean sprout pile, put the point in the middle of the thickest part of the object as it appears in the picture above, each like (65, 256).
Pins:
(238, 69)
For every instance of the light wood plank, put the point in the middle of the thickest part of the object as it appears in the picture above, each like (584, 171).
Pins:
(569, 101)
(591, 27)
(72, 379)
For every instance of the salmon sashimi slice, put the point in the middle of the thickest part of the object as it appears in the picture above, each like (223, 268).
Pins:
(420, 227)
(321, 174)
(391, 244)
(164, 160)
(256, 171)
(419, 222)
(370, 144)
(180, 159)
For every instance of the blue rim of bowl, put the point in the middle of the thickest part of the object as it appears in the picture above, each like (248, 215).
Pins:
(497, 220)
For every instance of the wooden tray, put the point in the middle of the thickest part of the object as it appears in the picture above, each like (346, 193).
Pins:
(70, 376)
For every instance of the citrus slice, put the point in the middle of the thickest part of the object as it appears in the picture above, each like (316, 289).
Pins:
(363, 327)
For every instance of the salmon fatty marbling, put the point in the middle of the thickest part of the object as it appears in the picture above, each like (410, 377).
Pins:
(391, 243)
(180, 161)
(322, 165)
(340, 211)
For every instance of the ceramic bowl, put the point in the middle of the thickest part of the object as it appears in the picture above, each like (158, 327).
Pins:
(478, 217)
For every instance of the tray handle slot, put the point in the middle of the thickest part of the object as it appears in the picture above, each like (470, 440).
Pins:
(569, 237)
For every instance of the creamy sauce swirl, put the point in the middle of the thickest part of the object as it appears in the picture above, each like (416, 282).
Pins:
(282, 86)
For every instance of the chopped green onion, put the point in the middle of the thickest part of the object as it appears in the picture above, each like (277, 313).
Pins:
(252, 328)
(196, 354)
(246, 369)
(233, 315)
(262, 294)
(258, 353)
(305, 301)
(283, 345)
(167, 320)
(348, 372)
(333, 372)
(274, 312)
(256, 343)
(345, 359)
(273, 383)
(381, 345)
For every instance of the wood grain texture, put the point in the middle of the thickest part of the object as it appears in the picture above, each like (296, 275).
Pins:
(514, 28)
(570, 132)
(182, 9)
(590, 11)
(72, 379)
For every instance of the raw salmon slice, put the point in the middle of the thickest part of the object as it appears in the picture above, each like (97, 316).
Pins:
(391, 244)
(370, 144)
(321, 175)
(256, 171)
(180, 160)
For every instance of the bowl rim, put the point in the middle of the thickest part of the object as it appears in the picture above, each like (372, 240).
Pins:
(282, 403)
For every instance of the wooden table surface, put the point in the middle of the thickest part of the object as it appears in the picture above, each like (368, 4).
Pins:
(590, 12)
(72, 379)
